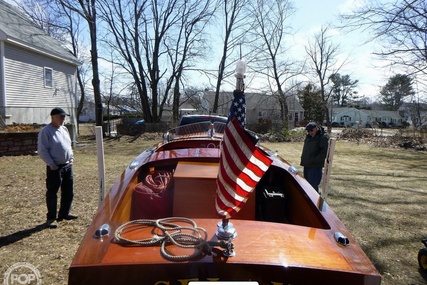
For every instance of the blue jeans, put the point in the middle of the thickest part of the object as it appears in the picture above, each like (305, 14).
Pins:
(55, 179)
(313, 175)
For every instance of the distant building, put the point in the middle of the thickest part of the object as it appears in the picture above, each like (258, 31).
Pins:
(87, 114)
(355, 117)
(88, 111)
(36, 72)
(259, 107)
(415, 114)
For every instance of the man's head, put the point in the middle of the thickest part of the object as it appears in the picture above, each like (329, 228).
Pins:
(58, 111)
(58, 117)
(311, 128)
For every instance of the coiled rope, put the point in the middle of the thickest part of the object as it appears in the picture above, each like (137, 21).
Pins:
(158, 180)
(172, 233)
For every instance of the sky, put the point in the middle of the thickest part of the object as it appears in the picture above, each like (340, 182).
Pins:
(308, 19)
(361, 64)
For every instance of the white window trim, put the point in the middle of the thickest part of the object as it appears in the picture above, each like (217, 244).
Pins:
(45, 69)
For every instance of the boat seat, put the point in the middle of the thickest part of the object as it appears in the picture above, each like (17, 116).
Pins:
(152, 198)
(195, 192)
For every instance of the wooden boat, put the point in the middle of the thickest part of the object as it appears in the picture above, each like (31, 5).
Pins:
(286, 233)
(159, 224)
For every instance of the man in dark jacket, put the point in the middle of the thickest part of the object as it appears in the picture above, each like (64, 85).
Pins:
(314, 153)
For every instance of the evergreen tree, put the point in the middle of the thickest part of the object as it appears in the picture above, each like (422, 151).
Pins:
(343, 89)
(311, 100)
(397, 88)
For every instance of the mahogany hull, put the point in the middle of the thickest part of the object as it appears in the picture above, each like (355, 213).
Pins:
(300, 249)
(271, 254)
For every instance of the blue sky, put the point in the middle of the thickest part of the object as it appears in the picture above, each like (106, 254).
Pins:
(308, 19)
(361, 64)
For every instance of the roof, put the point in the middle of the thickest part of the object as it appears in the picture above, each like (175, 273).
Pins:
(371, 113)
(17, 29)
(255, 100)
(382, 114)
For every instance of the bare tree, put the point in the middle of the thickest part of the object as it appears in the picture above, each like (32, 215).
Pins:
(235, 28)
(87, 10)
(270, 28)
(109, 93)
(418, 112)
(323, 60)
(47, 15)
(74, 31)
(155, 42)
(188, 44)
(400, 26)
(124, 23)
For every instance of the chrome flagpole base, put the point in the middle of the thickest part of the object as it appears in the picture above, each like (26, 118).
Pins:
(225, 230)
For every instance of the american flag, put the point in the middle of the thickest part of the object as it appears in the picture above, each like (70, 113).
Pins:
(238, 108)
(242, 164)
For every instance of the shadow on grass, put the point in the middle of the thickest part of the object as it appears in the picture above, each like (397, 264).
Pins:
(12, 238)
(134, 137)
(380, 196)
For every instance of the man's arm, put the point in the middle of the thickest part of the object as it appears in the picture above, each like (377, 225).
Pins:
(43, 149)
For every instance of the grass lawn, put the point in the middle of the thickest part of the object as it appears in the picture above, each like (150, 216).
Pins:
(379, 193)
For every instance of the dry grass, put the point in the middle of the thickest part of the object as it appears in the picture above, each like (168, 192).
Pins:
(379, 193)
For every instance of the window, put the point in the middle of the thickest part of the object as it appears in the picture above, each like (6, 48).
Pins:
(345, 118)
(262, 114)
(48, 77)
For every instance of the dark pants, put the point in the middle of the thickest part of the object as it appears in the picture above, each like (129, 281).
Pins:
(60, 178)
(313, 175)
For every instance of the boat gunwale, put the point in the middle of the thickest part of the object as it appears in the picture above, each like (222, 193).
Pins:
(360, 265)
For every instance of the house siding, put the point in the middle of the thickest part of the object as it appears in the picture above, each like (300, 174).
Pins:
(355, 117)
(27, 98)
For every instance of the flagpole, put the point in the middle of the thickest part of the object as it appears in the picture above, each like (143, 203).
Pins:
(240, 75)
(226, 230)
(327, 169)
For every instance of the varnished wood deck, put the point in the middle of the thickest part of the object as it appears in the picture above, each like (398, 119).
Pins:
(301, 251)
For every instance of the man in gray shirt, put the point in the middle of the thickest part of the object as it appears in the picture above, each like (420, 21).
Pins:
(54, 148)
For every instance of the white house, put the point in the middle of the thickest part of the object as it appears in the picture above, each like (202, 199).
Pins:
(355, 117)
(36, 72)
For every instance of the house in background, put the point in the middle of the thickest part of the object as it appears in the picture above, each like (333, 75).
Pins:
(36, 72)
(365, 118)
(87, 115)
(260, 107)
(414, 114)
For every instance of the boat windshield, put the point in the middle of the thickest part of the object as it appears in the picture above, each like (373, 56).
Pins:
(200, 129)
